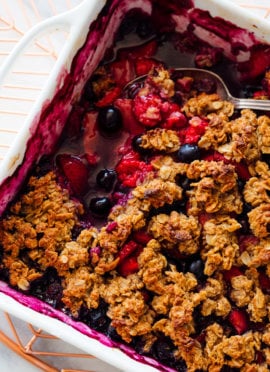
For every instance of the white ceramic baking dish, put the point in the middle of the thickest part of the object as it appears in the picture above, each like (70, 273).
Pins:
(90, 33)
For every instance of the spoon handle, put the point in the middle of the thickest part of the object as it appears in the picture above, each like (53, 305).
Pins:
(255, 104)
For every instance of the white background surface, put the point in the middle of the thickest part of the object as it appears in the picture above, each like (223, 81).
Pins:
(37, 10)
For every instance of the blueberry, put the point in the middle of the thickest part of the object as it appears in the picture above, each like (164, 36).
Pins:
(184, 182)
(188, 152)
(244, 225)
(246, 208)
(136, 145)
(99, 320)
(48, 288)
(197, 268)
(112, 334)
(164, 350)
(109, 120)
(241, 184)
(106, 179)
(96, 318)
(100, 206)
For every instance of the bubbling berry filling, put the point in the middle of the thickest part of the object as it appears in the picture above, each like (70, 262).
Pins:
(150, 223)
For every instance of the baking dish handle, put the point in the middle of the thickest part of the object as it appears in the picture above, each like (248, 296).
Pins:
(73, 20)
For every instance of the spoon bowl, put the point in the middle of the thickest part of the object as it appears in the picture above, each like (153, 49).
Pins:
(220, 88)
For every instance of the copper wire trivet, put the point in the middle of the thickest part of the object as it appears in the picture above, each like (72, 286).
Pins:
(27, 348)
(21, 91)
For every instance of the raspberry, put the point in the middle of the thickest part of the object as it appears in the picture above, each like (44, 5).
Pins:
(195, 130)
(264, 282)
(174, 118)
(130, 172)
(245, 241)
(148, 109)
(229, 274)
(109, 97)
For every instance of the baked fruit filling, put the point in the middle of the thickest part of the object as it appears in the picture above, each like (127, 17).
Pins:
(151, 222)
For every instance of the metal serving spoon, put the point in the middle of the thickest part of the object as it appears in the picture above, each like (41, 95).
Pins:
(221, 89)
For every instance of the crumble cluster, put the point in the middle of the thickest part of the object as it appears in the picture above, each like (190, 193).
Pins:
(215, 320)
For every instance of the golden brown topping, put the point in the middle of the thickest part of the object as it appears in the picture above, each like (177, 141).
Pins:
(156, 193)
(243, 142)
(220, 248)
(161, 140)
(259, 220)
(263, 132)
(204, 104)
(176, 231)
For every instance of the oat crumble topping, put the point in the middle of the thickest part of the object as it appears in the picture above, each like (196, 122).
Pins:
(158, 297)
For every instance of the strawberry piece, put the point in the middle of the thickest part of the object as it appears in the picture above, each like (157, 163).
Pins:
(245, 241)
(215, 156)
(144, 65)
(122, 71)
(239, 320)
(89, 131)
(74, 123)
(264, 281)
(242, 171)
(109, 97)
(145, 50)
(204, 217)
(141, 237)
(258, 63)
(229, 274)
(259, 358)
(147, 109)
(75, 171)
(128, 266)
(130, 123)
(184, 84)
(127, 250)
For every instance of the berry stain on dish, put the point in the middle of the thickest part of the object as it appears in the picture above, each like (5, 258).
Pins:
(150, 221)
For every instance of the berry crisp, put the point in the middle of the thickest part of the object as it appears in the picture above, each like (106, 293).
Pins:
(150, 222)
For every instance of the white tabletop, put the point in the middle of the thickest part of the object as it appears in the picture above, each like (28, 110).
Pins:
(16, 17)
